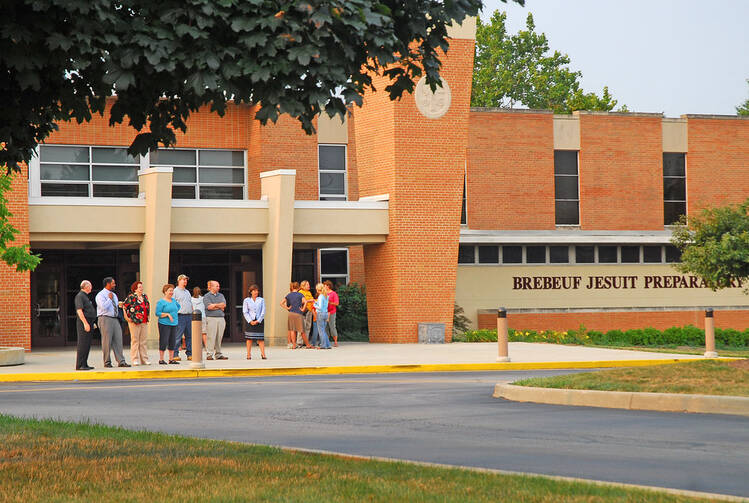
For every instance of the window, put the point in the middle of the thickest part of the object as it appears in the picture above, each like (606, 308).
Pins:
(332, 169)
(334, 265)
(608, 254)
(652, 254)
(87, 171)
(512, 254)
(466, 254)
(303, 265)
(559, 254)
(566, 195)
(535, 254)
(464, 204)
(204, 174)
(630, 254)
(488, 254)
(585, 254)
(673, 254)
(674, 187)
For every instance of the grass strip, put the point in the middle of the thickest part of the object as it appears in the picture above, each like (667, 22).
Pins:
(55, 461)
(702, 377)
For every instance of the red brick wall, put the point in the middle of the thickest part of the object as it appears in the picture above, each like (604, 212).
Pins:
(717, 162)
(15, 287)
(510, 181)
(356, 264)
(616, 320)
(621, 172)
(420, 163)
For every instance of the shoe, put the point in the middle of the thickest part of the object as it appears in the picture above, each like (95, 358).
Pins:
(124, 364)
(177, 359)
(263, 357)
(147, 362)
(84, 368)
(249, 358)
(209, 357)
(162, 362)
(189, 358)
(88, 367)
(222, 357)
(289, 346)
(135, 363)
(173, 362)
(108, 365)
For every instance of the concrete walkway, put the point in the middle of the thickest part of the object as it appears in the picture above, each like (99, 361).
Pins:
(456, 356)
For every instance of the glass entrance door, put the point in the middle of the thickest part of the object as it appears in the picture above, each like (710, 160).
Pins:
(47, 306)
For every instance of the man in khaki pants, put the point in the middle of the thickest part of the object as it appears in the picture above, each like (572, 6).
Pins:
(214, 303)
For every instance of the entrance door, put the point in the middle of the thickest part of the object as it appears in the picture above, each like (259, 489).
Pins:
(243, 276)
(47, 306)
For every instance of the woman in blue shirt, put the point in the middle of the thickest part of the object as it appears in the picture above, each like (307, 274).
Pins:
(321, 307)
(253, 310)
(166, 311)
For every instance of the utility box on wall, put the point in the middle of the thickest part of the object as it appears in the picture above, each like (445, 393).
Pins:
(431, 333)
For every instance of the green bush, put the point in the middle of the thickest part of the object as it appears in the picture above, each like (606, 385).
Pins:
(674, 336)
(351, 320)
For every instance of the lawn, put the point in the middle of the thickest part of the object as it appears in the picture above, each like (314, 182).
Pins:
(55, 461)
(703, 377)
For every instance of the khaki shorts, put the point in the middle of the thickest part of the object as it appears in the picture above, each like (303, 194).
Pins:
(295, 322)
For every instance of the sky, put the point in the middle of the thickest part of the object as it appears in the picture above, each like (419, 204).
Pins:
(670, 56)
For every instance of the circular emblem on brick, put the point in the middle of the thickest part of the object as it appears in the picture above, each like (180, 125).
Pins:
(432, 105)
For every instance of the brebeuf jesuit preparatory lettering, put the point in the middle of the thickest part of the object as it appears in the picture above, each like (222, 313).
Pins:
(609, 282)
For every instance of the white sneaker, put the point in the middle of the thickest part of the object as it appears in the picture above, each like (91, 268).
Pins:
(147, 362)
(135, 363)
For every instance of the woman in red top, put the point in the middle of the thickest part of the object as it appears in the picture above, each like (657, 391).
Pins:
(136, 309)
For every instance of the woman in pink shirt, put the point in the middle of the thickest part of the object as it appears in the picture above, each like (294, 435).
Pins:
(332, 309)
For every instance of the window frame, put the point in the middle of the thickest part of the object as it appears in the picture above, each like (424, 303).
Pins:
(320, 273)
(577, 176)
(333, 197)
(686, 188)
(571, 254)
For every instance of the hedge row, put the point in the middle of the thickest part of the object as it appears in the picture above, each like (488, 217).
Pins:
(679, 336)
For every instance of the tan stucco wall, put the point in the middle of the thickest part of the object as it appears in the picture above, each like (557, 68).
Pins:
(219, 221)
(566, 132)
(331, 130)
(335, 222)
(674, 135)
(466, 29)
(491, 286)
(107, 220)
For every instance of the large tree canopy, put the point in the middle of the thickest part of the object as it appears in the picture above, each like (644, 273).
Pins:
(520, 69)
(60, 59)
(715, 245)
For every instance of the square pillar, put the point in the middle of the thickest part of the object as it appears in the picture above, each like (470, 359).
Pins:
(278, 187)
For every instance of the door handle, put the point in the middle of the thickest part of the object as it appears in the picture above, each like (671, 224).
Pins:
(37, 312)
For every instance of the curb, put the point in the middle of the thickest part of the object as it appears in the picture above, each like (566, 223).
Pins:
(117, 375)
(661, 402)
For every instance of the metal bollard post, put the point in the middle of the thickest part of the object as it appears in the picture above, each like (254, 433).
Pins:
(710, 334)
(502, 336)
(197, 341)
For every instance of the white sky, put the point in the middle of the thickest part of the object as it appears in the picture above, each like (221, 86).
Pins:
(671, 56)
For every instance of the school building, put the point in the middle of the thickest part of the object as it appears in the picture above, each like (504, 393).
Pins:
(562, 219)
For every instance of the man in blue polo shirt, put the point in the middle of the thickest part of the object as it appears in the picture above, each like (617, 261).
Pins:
(109, 324)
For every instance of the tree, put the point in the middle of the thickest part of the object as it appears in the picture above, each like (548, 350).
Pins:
(743, 109)
(715, 245)
(60, 60)
(510, 70)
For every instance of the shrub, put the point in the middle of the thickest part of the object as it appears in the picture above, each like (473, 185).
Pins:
(351, 319)
(461, 323)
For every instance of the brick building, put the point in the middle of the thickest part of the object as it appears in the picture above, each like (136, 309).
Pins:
(561, 219)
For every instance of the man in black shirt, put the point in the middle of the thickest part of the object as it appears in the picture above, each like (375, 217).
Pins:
(84, 324)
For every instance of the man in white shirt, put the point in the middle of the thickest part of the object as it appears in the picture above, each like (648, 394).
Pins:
(184, 317)
(109, 324)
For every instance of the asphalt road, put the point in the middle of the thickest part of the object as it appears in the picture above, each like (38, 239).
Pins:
(446, 418)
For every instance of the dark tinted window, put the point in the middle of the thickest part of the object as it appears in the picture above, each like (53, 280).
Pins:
(674, 189)
(466, 255)
(512, 254)
(585, 254)
(672, 211)
(565, 187)
(673, 164)
(559, 254)
(333, 157)
(333, 262)
(565, 162)
(535, 254)
(630, 254)
(652, 254)
(673, 254)
(567, 213)
(607, 254)
(488, 254)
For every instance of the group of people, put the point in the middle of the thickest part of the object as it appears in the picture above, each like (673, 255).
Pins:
(174, 317)
(311, 317)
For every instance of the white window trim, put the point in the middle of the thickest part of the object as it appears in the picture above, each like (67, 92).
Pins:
(343, 197)
(35, 177)
(320, 273)
(465, 194)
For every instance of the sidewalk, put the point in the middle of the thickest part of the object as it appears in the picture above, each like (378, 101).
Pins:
(349, 357)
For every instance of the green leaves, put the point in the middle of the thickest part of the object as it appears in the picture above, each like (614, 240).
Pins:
(743, 109)
(520, 69)
(715, 245)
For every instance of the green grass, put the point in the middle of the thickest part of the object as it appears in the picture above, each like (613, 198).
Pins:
(686, 350)
(54, 461)
(703, 377)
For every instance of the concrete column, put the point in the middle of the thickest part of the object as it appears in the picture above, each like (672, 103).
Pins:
(278, 187)
(156, 183)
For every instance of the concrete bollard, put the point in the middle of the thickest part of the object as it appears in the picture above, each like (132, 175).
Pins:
(502, 336)
(710, 334)
(197, 341)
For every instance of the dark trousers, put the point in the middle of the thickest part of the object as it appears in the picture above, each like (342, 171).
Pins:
(84, 343)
